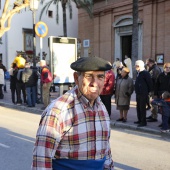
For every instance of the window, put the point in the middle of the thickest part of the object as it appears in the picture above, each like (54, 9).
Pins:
(86, 43)
(50, 14)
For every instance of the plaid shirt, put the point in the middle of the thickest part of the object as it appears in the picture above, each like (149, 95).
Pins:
(71, 129)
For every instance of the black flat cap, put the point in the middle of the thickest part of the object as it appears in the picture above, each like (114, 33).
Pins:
(91, 64)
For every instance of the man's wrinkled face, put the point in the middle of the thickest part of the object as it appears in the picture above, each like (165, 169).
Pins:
(90, 83)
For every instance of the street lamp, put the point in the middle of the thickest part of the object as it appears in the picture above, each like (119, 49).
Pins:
(34, 7)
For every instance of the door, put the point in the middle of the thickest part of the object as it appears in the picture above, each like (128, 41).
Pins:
(126, 46)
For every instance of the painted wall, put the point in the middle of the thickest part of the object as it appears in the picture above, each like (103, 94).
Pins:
(14, 38)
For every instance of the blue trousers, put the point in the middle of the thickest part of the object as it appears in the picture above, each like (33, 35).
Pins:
(165, 124)
(69, 164)
(31, 95)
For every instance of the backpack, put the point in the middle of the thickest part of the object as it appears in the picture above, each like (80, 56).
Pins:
(7, 76)
(50, 77)
(19, 75)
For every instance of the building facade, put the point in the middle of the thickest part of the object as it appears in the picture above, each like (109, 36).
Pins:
(20, 36)
(109, 33)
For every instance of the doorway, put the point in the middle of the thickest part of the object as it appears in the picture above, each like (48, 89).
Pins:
(126, 46)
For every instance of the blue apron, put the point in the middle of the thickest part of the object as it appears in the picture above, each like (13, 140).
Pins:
(71, 164)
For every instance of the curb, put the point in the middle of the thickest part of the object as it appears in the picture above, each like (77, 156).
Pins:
(115, 124)
(23, 108)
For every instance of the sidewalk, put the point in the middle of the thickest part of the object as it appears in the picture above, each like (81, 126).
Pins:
(152, 127)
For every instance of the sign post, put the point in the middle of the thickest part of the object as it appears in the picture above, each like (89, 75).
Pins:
(41, 30)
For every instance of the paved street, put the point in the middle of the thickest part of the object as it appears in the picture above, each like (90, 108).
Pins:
(131, 150)
(17, 137)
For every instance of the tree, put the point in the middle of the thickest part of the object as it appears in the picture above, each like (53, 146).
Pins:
(135, 32)
(8, 14)
(85, 4)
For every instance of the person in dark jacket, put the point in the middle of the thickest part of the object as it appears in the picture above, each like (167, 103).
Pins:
(143, 86)
(163, 83)
(13, 83)
(164, 105)
(30, 78)
(20, 86)
(2, 66)
(154, 71)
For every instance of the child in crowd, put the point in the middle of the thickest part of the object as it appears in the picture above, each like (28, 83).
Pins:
(164, 105)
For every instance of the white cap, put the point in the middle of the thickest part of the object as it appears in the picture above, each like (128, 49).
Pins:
(42, 63)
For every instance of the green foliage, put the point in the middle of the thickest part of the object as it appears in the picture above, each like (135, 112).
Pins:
(85, 4)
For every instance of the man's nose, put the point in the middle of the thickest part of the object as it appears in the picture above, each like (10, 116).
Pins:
(95, 80)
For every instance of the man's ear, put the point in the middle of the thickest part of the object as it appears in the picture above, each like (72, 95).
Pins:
(76, 77)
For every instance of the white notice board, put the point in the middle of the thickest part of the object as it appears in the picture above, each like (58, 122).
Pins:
(63, 52)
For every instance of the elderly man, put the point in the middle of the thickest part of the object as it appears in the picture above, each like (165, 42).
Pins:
(74, 130)
(143, 86)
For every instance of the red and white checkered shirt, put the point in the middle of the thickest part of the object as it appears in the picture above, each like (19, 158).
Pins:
(71, 129)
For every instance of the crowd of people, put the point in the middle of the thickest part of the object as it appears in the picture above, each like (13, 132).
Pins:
(24, 82)
(151, 83)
